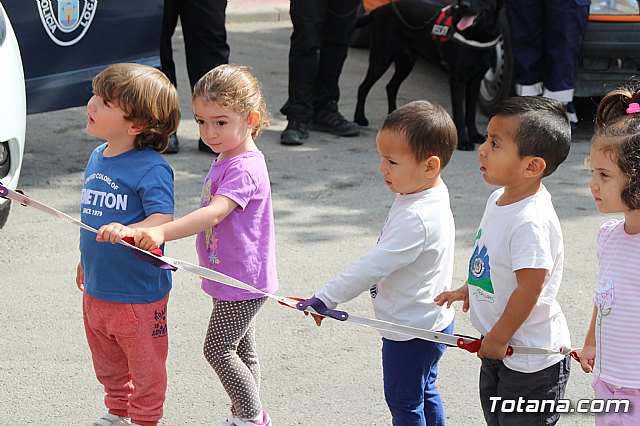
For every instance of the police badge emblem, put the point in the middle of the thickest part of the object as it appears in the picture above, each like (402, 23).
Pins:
(66, 21)
(68, 14)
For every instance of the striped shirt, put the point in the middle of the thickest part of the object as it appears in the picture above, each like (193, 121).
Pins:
(618, 301)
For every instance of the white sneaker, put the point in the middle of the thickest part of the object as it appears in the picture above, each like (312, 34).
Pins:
(237, 421)
(226, 422)
(109, 419)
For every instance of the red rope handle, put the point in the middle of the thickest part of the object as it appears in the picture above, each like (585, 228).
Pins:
(299, 299)
(155, 251)
(474, 346)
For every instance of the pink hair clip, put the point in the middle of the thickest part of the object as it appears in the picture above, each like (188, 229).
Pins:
(633, 108)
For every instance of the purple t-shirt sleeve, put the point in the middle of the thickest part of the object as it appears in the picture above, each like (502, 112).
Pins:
(238, 185)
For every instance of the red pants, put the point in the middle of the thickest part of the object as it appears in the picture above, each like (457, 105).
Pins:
(129, 345)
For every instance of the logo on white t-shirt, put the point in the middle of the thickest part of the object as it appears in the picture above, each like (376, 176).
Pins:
(480, 268)
(373, 291)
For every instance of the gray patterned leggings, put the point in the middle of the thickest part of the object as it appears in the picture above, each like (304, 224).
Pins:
(230, 348)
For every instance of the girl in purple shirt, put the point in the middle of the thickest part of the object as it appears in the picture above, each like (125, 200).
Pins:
(235, 232)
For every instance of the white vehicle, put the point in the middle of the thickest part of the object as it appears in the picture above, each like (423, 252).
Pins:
(13, 111)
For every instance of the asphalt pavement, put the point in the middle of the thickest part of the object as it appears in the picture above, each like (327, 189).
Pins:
(329, 205)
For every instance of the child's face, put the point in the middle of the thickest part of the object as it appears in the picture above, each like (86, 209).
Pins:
(398, 166)
(498, 156)
(221, 129)
(607, 181)
(106, 120)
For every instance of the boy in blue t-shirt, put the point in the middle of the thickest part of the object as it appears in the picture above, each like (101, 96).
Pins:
(126, 180)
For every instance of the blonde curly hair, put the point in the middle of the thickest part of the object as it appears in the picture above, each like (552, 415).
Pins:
(234, 87)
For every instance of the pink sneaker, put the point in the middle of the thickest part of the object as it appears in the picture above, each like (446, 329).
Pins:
(237, 421)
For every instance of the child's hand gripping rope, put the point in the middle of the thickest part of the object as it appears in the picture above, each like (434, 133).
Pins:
(319, 306)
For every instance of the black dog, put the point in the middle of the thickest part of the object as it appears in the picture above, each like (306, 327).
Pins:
(465, 37)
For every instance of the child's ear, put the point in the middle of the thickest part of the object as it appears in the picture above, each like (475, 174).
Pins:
(136, 129)
(535, 167)
(432, 166)
(254, 118)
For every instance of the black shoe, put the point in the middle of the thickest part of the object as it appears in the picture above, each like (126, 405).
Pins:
(173, 146)
(295, 133)
(333, 122)
(204, 148)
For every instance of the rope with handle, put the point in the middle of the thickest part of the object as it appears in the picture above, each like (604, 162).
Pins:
(313, 305)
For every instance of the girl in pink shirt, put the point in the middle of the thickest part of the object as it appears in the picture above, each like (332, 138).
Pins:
(610, 347)
(235, 232)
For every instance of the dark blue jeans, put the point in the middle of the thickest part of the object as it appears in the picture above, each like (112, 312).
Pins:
(496, 380)
(546, 38)
(410, 371)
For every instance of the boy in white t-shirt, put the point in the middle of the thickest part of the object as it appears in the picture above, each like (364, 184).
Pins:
(516, 266)
(412, 261)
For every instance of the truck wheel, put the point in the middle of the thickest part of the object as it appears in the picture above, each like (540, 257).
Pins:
(498, 81)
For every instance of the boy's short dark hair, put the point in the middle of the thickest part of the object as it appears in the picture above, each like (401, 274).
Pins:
(147, 98)
(428, 128)
(544, 130)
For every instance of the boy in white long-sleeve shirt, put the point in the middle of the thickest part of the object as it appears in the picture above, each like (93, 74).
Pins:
(412, 261)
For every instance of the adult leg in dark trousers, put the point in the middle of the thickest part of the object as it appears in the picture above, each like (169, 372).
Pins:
(321, 30)
(205, 42)
(546, 39)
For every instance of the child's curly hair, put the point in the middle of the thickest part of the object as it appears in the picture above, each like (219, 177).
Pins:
(617, 133)
(147, 98)
(234, 87)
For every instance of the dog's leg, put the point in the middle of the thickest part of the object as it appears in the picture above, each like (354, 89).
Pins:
(471, 102)
(379, 62)
(382, 46)
(374, 73)
(404, 64)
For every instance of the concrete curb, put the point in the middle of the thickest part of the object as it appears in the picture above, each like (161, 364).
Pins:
(258, 14)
